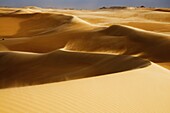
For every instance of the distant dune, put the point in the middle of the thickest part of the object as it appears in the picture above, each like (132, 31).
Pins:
(105, 60)
(65, 31)
(120, 39)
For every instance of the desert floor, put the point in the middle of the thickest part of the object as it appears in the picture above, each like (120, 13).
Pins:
(84, 61)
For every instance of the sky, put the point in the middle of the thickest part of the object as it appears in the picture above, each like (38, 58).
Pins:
(84, 4)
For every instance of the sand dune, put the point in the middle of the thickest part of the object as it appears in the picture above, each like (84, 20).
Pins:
(60, 66)
(144, 90)
(65, 31)
(107, 41)
(109, 17)
(110, 52)
(151, 26)
(29, 25)
(28, 29)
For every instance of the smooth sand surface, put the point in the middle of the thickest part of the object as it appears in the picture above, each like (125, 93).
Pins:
(84, 61)
(139, 91)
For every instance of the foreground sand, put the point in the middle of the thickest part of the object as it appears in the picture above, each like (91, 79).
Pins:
(84, 61)
(139, 91)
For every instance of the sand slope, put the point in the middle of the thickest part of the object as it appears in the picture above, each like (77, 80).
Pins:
(18, 69)
(139, 91)
(33, 31)
(152, 45)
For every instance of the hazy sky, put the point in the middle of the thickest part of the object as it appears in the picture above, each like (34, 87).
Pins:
(92, 4)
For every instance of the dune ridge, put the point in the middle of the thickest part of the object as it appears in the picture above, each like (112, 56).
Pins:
(59, 26)
(60, 66)
(128, 37)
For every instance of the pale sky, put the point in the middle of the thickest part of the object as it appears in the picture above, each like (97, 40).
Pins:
(85, 4)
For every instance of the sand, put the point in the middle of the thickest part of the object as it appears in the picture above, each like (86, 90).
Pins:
(79, 61)
(60, 66)
(139, 91)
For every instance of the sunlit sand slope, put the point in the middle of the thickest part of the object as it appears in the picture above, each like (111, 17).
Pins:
(138, 91)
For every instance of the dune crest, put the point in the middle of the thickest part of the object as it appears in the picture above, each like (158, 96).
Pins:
(106, 41)
(60, 66)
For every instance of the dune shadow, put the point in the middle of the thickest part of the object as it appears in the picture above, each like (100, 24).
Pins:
(23, 69)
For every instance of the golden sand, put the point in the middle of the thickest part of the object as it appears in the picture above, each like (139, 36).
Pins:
(84, 61)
